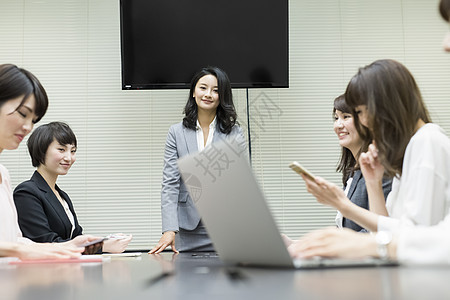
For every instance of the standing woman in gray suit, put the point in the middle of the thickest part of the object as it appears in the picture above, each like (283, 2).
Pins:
(209, 116)
(352, 144)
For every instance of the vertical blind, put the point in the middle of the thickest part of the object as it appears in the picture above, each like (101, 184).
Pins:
(73, 46)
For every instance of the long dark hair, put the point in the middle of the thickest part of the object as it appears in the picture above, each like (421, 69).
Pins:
(16, 82)
(226, 114)
(394, 106)
(348, 164)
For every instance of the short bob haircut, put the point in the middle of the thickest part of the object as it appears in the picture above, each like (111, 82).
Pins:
(44, 135)
(348, 164)
(226, 114)
(444, 9)
(394, 106)
(16, 82)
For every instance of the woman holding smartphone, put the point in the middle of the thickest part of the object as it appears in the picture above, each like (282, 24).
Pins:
(406, 145)
(386, 99)
(352, 143)
(409, 244)
(45, 212)
(209, 116)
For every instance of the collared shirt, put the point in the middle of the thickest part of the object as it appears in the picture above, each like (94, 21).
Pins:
(69, 215)
(421, 196)
(339, 217)
(201, 139)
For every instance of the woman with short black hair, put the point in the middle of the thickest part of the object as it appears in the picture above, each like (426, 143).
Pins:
(46, 213)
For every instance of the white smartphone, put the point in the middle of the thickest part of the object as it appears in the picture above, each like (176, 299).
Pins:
(301, 170)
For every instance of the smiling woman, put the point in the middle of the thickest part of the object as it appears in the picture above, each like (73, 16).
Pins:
(46, 213)
(405, 145)
(209, 116)
(23, 102)
(206, 94)
(17, 118)
(352, 143)
(345, 129)
(423, 189)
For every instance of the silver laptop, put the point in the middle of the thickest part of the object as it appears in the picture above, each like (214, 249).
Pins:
(235, 213)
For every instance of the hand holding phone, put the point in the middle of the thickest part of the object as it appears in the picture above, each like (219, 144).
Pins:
(301, 170)
(94, 246)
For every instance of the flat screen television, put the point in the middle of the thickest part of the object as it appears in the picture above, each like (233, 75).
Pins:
(165, 42)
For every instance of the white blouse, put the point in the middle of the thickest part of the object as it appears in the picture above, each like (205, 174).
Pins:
(200, 137)
(424, 245)
(339, 217)
(421, 196)
(69, 215)
(9, 226)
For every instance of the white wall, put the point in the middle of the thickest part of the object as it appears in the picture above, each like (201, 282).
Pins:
(73, 46)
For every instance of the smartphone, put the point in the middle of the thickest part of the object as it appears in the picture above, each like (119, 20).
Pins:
(93, 242)
(301, 170)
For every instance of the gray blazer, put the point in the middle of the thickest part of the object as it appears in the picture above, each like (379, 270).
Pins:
(177, 208)
(358, 195)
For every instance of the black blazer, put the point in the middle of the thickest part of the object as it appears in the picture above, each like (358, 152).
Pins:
(358, 195)
(41, 216)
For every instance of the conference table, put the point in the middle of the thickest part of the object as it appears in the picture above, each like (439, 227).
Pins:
(204, 276)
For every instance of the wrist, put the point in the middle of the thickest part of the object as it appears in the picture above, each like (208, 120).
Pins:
(383, 240)
(65, 244)
(346, 207)
(392, 248)
(13, 250)
(371, 246)
(374, 183)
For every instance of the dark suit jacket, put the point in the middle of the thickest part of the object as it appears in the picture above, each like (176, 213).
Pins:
(358, 195)
(41, 216)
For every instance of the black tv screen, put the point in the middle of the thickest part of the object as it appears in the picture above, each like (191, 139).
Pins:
(164, 42)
